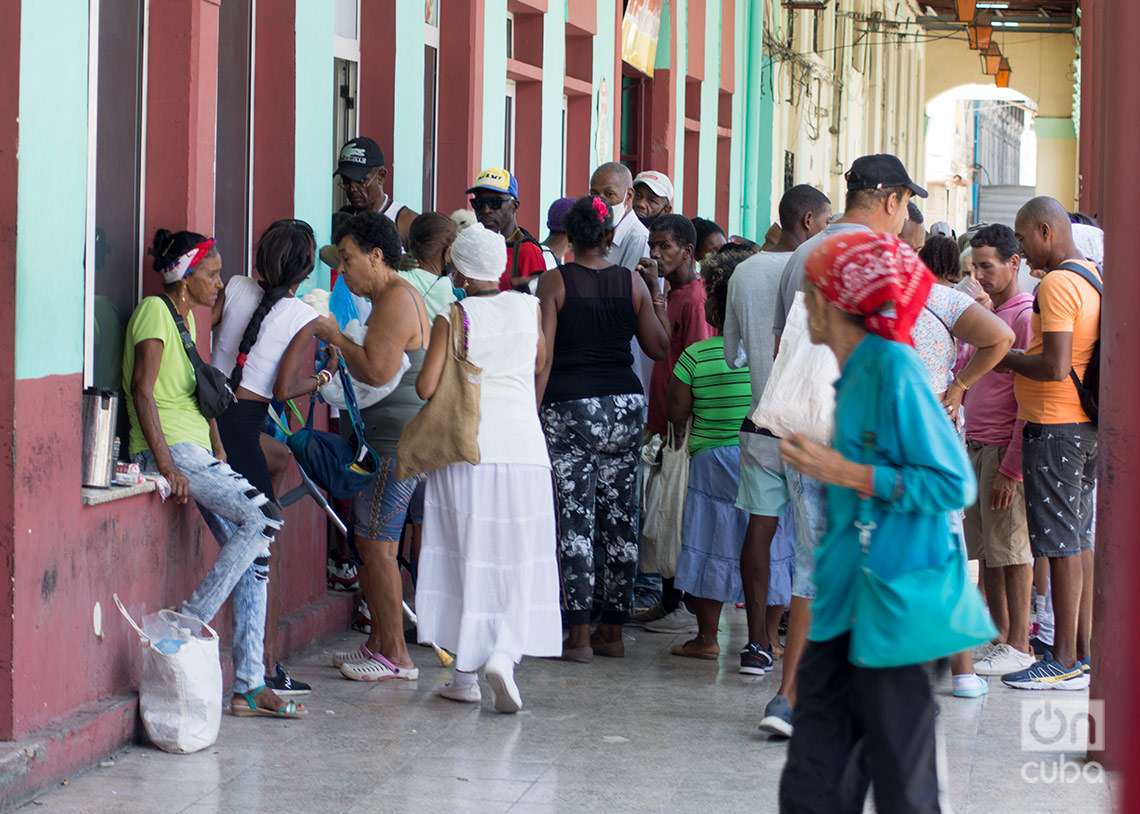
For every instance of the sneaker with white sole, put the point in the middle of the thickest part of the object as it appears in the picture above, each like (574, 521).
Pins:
(755, 660)
(1003, 659)
(1048, 674)
(643, 616)
(465, 694)
(679, 621)
(982, 650)
(970, 685)
(377, 668)
(777, 718)
(499, 673)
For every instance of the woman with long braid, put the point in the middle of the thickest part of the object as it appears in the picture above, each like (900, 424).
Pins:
(264, 334)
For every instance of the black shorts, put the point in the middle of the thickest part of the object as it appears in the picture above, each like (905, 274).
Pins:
(1059, 465)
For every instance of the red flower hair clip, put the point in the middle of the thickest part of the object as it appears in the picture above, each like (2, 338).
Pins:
(601, 208)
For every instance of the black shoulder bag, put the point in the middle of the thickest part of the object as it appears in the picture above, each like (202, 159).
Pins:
(212, 387)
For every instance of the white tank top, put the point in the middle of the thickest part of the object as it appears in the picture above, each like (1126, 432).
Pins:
(281, 324)
(502, 339)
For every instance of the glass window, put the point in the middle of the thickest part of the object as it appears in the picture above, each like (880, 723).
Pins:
(509, 128)
(114, 256)
(345, 19)
(431, 105)
(510, 35)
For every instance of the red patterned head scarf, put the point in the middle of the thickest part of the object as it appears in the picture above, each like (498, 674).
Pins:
(875, 276)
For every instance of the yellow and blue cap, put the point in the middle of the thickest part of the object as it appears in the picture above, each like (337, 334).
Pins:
(496, 179)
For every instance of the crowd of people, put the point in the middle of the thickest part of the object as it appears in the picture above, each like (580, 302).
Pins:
(559, 383)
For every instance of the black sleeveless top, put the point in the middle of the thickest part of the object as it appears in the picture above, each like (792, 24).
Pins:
(592, 353)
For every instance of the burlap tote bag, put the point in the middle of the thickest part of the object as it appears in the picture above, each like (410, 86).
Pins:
(446, 430)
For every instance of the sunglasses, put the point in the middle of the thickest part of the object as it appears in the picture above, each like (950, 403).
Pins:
(492, 204)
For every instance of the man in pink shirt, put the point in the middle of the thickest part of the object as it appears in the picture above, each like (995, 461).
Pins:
(996, 529)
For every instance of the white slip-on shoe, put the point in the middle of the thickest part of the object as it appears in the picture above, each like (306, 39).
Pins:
(499, 672)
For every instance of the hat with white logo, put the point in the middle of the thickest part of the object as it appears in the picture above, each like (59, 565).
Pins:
(359, 157)
(658, 183)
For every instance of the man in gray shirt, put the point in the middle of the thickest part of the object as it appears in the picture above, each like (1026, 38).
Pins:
(752, 289)
(878, 191)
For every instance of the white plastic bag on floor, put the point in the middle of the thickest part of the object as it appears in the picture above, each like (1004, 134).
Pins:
(800, 394)
(180, 693)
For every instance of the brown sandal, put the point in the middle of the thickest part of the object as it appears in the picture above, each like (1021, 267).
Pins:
(692, 650)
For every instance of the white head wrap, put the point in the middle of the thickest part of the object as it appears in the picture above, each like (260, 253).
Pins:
(479, 254)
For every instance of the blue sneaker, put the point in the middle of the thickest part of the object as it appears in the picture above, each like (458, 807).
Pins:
(777, 718)
(1048, 674)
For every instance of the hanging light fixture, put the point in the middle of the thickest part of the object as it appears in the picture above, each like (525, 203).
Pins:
(965, 9)
(991, 59)
(980, 31)
(1003, 74)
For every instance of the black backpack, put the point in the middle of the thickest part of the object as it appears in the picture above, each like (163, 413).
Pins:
(1088, 389)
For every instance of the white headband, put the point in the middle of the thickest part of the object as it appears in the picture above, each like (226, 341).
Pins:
(186, 263)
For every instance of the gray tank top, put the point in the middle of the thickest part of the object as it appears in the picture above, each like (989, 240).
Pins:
(385, 420)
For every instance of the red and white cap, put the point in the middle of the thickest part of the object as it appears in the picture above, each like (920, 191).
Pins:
(658, 183)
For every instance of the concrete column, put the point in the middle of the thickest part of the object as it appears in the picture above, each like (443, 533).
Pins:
(181, 124)
(1057, 159)
(1117, 172)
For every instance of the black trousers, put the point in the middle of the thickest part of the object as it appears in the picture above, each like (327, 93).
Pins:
(240, 428)
(856, 728)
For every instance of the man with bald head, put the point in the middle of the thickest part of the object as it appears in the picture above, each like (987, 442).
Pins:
(613, 183)
(1060, 437)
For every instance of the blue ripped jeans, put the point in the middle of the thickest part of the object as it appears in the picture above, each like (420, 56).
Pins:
(244, 522)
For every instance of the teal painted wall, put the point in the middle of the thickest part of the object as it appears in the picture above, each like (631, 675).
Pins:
(710, 91)
(740, 94)
(553, 71)
(755, 167)
(494, 81)
(51, 215)
(407, 158)
(313, 161)
(604, 56)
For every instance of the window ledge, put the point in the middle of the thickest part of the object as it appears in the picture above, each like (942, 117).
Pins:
(93, 496)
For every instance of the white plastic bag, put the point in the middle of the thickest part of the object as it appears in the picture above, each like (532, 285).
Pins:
(673, 483)
(800, 394)
(180, 693)
(366, 395)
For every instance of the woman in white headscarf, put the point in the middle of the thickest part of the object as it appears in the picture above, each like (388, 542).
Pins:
(488, 577)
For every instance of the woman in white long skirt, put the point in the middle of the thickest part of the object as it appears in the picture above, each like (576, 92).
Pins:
(488, 576)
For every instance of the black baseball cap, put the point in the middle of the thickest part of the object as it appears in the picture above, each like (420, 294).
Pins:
(358, 157)
(880, 171)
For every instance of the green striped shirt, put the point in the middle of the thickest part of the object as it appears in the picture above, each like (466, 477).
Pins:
(721, 396)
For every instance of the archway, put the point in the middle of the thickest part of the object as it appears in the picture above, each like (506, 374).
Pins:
(1042, 76)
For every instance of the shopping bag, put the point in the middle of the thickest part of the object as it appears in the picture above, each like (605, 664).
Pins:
(180, 692)
(651, 484)
(366, 394)
(800, 394)
(674, 476)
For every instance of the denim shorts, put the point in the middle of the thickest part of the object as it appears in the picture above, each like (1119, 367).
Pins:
(380, 510)
(809, 502)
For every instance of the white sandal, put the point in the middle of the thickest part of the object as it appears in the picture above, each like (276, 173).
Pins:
(377, 668)
(343, 657)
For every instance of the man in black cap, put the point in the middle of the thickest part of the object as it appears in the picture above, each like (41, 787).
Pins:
(363, 175)
(878, 191)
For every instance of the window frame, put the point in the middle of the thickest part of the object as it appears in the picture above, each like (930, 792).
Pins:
(510, 121)
(431, 180)
(91, 197)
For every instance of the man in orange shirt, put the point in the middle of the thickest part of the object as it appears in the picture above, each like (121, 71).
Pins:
(1060, 438)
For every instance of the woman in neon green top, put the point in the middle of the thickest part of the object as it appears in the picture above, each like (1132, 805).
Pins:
(717, 399)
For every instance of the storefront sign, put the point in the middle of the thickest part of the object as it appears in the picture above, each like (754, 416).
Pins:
(639, 30)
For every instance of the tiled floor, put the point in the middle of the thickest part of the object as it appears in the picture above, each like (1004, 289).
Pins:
(648, 733)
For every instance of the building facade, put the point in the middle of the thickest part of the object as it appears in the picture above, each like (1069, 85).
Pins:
(222, 116)
(840, 82)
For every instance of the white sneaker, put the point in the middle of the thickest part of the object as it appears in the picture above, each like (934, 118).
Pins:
(499, 673)
(679, 621)
(468, 694)
(982, 650)
(1003, 659)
